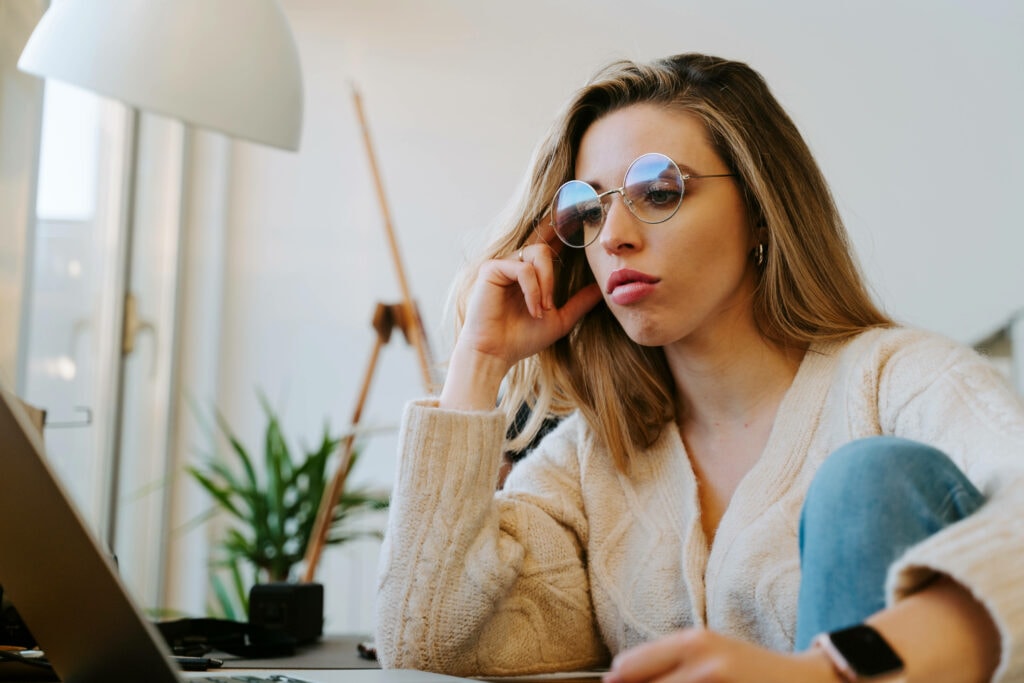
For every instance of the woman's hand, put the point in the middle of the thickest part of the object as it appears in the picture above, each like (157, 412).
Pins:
(697, 655)
(511, 313)
(510, 316)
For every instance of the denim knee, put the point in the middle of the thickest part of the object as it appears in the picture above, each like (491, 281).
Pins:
(889, 474)
(870, 501)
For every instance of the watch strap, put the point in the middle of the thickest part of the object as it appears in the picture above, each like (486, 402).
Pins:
(852, 671)
(835, 657)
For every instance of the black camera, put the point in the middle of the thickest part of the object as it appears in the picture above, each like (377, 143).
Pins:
(292, 609)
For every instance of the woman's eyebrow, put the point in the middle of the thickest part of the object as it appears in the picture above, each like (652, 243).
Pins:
(593, 183)
(598, 186)
(686, 169)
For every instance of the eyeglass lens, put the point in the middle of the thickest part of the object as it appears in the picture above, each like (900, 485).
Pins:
(652, 190)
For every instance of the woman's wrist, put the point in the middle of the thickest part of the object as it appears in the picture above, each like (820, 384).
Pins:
(817, 667)
(943, 612)
(473, 381)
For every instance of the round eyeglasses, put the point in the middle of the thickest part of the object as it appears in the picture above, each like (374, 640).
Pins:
(652, 191)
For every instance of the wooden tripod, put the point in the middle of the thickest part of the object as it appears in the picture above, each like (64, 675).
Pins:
(386, 318)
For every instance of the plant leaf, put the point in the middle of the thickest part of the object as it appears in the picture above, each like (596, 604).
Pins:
(227, 608)
(221, 495)
(239, 583)
(277, 462)
(239, 449)
(275, 506)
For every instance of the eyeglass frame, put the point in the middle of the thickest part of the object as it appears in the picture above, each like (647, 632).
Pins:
(625, 200)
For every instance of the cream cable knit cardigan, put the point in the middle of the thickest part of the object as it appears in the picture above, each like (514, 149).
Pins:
(573, 561)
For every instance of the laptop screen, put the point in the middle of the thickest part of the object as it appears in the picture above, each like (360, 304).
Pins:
(55, 573)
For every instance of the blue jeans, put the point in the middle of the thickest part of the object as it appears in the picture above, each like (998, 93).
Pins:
(870, 500)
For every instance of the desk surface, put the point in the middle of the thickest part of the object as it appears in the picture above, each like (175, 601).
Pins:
(341, 652)
(331, 652)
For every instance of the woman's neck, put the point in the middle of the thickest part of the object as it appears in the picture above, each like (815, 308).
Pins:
(730, 380)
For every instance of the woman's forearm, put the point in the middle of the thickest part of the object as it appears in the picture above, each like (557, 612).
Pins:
(473, 381)
(942, 633)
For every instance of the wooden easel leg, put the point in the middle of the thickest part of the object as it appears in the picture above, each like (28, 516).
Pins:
(322, 527)
(404, 315)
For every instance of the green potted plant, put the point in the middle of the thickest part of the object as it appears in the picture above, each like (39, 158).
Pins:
(272, 509)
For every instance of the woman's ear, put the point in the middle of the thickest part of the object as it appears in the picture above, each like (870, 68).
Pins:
(761, 231)
(758, 235)
(760, 249)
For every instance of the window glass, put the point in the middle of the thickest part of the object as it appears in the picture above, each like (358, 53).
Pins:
(68, 154)
(62, 374)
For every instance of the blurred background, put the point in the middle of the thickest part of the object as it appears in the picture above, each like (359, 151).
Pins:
(260, 269)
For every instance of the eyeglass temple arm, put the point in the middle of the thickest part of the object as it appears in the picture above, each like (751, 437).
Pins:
(711, 175)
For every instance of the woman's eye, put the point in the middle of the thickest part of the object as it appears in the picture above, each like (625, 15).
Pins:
(591, 215)
(662, 195)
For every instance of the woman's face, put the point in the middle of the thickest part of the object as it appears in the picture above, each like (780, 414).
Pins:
(691, 278)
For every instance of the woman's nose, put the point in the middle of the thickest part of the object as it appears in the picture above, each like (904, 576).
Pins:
(621, 229)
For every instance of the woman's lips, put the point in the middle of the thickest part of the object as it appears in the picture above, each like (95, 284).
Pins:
(629, 286)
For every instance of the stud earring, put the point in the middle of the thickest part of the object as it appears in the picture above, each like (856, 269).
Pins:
(759, 255)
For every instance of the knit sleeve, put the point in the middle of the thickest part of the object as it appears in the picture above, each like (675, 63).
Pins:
(474, 582)
(952, 398)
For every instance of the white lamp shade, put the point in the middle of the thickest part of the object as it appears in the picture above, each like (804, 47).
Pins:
(228, 65)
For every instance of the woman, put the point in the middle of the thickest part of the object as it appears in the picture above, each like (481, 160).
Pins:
(755, 456)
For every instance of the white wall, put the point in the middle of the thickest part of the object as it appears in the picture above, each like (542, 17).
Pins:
(21, 102)
(913, 109)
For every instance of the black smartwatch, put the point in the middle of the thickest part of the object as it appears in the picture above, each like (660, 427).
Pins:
(860, 653)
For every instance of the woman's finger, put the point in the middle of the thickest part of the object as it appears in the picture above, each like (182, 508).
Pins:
(530, 285)
(506, 273)
(648, 661)
(541, 257)
(578, 305)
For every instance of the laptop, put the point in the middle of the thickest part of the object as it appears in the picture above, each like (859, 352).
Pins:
(68, 592)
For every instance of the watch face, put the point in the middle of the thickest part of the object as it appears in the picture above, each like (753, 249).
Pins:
(866, 651)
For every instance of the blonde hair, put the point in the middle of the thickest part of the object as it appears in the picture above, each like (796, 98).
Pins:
(809, 287)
